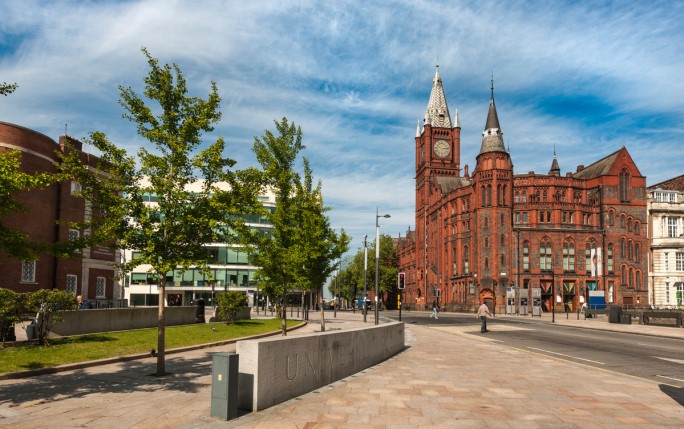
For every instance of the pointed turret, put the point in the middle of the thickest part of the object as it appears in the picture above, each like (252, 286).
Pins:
(418, 130)
(437, 112)
(492, 137)
(555, 168)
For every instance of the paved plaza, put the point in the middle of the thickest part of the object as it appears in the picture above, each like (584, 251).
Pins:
(448, 377)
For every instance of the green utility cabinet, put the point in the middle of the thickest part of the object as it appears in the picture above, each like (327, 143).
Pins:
(224, 385)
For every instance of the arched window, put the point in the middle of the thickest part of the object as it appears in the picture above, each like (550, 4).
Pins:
(611, 217)
(526, 256)
(498, 195)
(638, 280)
(484, 196)
(503, 239)
(629, 224)
(503, 260)
(545, 254)
(637, 224)
(486, 242)
(486, 222)
(610, 258)
(591, 244)
(489, 195)
(466, 260)
(624, 275)
(623, 247)
(624, 186)
(568, 256)
(631, 278)
(486, 263)
(637, 249)
(630, 248)
(502, 220)
(503, 195)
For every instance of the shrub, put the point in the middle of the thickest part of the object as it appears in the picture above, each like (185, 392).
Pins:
(228, 304)
(49, 304)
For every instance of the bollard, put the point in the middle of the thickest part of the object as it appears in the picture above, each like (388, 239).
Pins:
(224, 385)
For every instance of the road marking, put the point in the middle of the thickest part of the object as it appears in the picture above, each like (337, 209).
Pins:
(670, 378)
(669, 359)
(659, 346)
(569, 356)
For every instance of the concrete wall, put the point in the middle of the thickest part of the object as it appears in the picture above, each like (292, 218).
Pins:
(120, 319)
(273, 370)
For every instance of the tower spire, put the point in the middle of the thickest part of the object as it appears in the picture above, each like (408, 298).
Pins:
(492, 137)
(437, 112)
(555, 168)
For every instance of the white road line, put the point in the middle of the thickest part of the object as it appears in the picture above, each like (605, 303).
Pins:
(669, 359)
(669, 378)
(564, 355)
(659, 346)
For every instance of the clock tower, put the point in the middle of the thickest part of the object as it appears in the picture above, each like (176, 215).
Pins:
(438, 154)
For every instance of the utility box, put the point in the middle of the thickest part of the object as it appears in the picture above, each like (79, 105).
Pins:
(224, 385)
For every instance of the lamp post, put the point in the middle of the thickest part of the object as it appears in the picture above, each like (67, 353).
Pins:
(365, 275)
(377, 258)
(337, 285)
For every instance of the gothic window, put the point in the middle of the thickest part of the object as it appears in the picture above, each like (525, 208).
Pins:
(466, 260)
(638, 280)
(486, 242)
(636, 252)
(624, 275)
(544, 195)
(610, 258)
(545, 254)
(631, 278)
(611, 217)
(622, 220)
(568, 256)
(629, 224)
(503, 195)
(502, 219)
(489, 195)
(637, 224)
(630, 247)
(486, 222)
(484, 196)
(624, 186)
(486, 263)
(502, 239)
(499, 202)
(623, 247)
(526, 256)
(503, 260)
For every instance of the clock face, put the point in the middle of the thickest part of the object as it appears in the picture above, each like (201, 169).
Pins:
(442, 148)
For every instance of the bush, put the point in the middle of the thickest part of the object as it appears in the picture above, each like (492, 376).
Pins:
(10, 311)
(49, 304)
(228, 304)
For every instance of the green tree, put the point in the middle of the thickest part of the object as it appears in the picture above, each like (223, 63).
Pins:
(323, 247)
(199, 199)
(279, 254)
(10, 310)
(228, 304)
(49, 305)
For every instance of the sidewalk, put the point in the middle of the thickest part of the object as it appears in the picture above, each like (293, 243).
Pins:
(445, 379)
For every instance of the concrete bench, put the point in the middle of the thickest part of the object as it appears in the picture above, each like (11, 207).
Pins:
(273, 370)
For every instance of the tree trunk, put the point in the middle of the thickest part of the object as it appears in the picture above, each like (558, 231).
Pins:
(322, 312)
(283, 308)
(161, 328)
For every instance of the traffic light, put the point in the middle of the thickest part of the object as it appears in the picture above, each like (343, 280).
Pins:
(401, 282)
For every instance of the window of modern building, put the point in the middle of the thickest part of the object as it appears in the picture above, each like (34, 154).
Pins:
(28, 271)
(71, 283)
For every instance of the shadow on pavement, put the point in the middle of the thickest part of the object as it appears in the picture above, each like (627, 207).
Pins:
(132, 376)
(676, 393)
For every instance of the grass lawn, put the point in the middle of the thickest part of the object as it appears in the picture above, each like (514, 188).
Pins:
(110, 344)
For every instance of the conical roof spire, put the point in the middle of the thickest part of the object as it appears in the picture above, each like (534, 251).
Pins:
(492, 137)
(555, 168)
(437, 112)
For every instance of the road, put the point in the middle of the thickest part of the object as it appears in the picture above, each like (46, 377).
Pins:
(649, 357)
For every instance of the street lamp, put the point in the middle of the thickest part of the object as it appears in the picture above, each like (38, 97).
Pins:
(377, 258)
(365, 275)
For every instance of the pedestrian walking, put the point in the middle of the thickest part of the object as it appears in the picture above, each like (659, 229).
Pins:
(435, 308)
(483, 313)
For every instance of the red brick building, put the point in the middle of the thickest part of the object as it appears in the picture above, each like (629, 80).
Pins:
(480, 235)
(47, 212)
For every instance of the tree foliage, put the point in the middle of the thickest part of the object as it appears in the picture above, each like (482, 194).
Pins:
(300, 250)
(228, 304)
(49, 305)
(7, 88)
(10, 310)
(199, 199)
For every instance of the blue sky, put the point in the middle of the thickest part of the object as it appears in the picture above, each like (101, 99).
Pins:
(584, 76)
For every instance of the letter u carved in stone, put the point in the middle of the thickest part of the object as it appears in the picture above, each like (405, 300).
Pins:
(292, 360)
